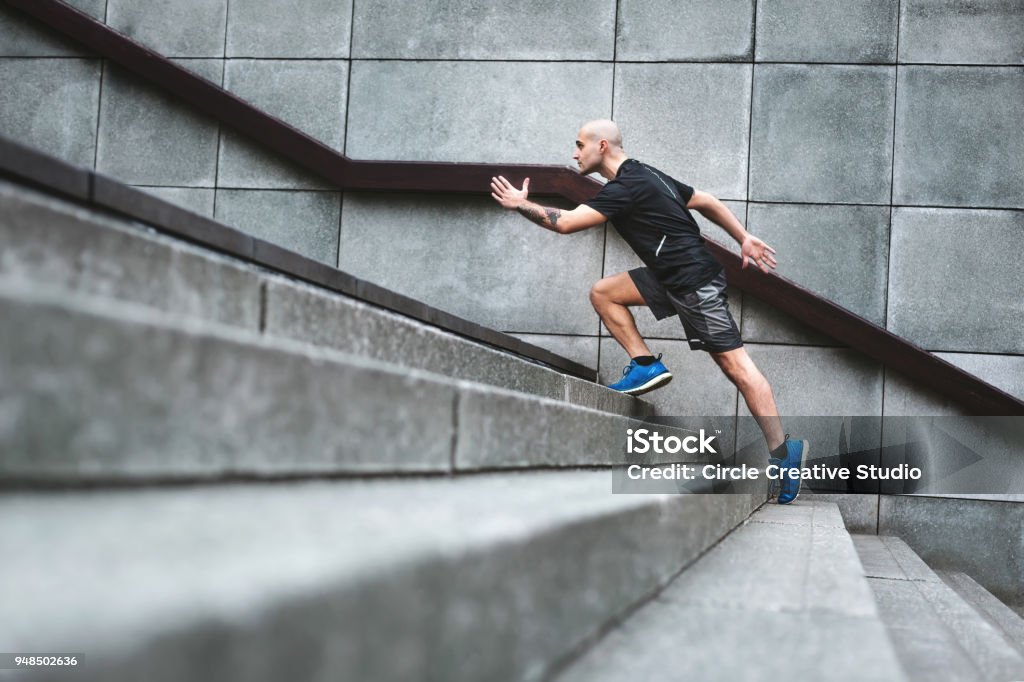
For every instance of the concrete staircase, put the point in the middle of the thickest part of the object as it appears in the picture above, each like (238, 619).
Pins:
(211, 471)
(205, 364)
(948, 629)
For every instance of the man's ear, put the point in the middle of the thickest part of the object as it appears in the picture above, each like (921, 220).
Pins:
(602, 146)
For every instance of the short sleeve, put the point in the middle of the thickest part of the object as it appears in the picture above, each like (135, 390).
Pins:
(612, 201)
(685, 191)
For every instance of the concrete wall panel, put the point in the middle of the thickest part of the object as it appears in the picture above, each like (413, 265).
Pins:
(840, 252)
(657, 30)
(1005, 372)
(581, 349)
(952, 282)
(517, 112)
(820, 381)
(440, 29)
(52, 105)
(148, 137)
(764, 323)
(958, 137)
(813, 242)
(712, 231)
(23, 36)
(307, 29)
(182, 28)
(197, 200)
(245, 164)
(94, 8)
(474, 259)
(962, 31)
(904, 399)
(309, 95)
(305, 222)
(810, 383)
(822, 133)
(965, 456)
(981, 538)
(291, 90)
(856, 31)
(690, 120)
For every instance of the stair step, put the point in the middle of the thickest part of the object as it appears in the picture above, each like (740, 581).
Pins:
(491, 576)
(988, 605)
(938, 636)
(781, 597)
(305, 313)
(53, 242)
(92, 389)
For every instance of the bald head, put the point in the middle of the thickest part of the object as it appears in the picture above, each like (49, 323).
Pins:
(599, 148)
(603, 129)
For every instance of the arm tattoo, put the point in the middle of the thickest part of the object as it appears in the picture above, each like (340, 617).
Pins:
(545, 217)
(530, 212)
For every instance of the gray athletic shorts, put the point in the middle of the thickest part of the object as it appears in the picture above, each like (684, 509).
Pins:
(704, 313)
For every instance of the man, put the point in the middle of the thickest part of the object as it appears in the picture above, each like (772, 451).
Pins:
(681, 277)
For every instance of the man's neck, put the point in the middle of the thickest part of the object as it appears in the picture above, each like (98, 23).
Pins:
(610, 167)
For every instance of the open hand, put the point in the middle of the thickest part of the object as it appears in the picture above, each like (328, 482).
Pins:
(758, 253)
(505, 193)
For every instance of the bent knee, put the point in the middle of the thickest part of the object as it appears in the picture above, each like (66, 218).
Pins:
(736, 365)
(601, 291)
(618, 290)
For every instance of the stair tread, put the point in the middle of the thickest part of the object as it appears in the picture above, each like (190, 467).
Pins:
(787, 581)
(988, 605)
(520, 565)
(938, 635)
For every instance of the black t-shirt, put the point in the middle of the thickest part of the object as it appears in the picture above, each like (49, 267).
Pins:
(648, 208)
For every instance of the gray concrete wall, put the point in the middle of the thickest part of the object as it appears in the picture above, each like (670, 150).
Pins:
(876, 144)
(979, 537)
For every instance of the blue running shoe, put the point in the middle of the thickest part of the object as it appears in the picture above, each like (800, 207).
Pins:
(796, 456)
(637, 379)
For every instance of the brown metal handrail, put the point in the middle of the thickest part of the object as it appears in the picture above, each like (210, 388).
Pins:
(290, 143)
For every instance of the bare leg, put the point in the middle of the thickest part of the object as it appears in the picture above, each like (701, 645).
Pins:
(611, 298)
(756, 390)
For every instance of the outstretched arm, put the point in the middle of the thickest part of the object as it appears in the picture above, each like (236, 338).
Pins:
(554, 219)
(753, 250)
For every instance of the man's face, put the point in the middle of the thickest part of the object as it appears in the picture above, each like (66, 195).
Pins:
(588, 153)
